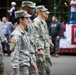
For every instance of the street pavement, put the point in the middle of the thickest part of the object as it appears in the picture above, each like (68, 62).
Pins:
(63, 65)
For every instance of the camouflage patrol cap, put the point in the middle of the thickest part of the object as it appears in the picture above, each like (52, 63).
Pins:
(47, 12)
(41, 8)
(21, 13)
(28, 3)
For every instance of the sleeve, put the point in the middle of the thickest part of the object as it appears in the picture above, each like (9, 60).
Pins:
(15, 57)
(11, 27)
(60, 29)
(39, 42)
(2, 37)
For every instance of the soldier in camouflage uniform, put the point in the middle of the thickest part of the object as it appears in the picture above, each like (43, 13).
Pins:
(47, 49)
(29, 7)
(2, 39)
(20, 56)
(43, 41)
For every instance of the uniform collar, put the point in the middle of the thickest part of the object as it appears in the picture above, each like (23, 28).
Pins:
(22, 31)
(42, 21)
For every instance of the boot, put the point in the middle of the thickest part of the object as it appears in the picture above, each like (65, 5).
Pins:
(2, 73)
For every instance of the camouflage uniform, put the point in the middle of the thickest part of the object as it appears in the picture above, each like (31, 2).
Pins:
(31, 34)
(2, 39)
(20, 56)
(43, 42)
(47, 43)
(40, 46)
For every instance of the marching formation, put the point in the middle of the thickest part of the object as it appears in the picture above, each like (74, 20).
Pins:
(29, 42)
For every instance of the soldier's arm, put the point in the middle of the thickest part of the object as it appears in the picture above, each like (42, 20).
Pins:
(2, 37)
(15, 56)
(39, 42)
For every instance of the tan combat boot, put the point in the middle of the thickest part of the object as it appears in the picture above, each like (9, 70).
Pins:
(2, 73)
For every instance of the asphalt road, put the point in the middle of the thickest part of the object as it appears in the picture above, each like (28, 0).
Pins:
(64, 65)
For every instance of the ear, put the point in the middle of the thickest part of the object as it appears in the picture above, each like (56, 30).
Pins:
(20, 19)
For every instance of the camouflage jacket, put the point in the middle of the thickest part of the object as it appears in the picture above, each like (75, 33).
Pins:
(21, 53)
(41, 34)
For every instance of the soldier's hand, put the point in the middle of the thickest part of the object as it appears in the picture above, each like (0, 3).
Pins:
(52, 45)
(36, 53)
(40, 52)
(35, 68)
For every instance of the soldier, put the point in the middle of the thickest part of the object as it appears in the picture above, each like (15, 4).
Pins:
(29, 7)
(43, 42)
(47, 49)
(2, 39)
(20, 56)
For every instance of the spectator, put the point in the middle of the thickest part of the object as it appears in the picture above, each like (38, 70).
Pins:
(55, 30)
(73, 10)
(7, 28)
(11, 11)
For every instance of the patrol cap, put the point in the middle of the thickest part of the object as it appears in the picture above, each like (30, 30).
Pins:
(13, 3)
(41, 8)
(21, 13)
(47, 12)
(28, 3)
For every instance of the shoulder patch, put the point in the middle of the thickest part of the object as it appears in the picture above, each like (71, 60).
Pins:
(12, 46)
(13, 40)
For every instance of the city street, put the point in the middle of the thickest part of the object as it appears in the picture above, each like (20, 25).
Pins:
(64, 65)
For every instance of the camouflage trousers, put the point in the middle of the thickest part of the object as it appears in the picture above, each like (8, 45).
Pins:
(1, 59)
(48, 66)
(32, 71)
(24, 70)
(48, 59)
(41, 65)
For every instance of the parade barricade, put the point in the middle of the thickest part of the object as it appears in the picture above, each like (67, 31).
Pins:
(68, 41)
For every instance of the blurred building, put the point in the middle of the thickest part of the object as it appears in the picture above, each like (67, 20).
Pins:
(60, 8)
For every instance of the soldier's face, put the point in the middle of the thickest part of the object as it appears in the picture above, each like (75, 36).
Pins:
(30, 11)
(43, 14)
(47, 15)
(25, 21)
